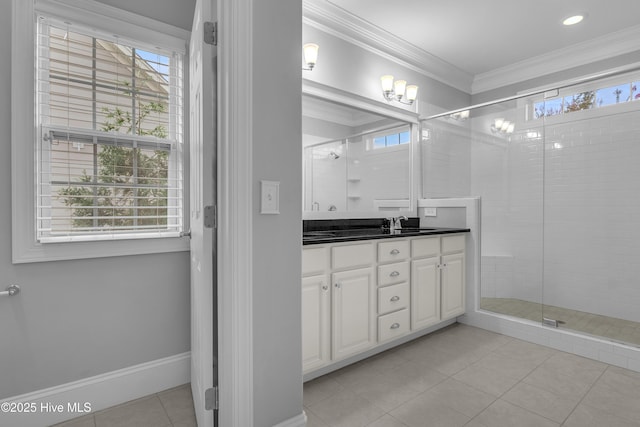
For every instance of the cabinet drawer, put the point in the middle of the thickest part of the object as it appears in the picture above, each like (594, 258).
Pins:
(352, 256)
(394, 250)
(392, 298)
(314, 261)
(393, 325)
(393, 273)
(427, 247)
(453, 243)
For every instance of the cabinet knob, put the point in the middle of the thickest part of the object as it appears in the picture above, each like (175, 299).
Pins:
(394, 252)
(395, 298)
(338, 285)
(394, 274)
(395, 326)
(325, 288)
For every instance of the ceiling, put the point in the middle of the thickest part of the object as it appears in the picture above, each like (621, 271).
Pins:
(480, 36)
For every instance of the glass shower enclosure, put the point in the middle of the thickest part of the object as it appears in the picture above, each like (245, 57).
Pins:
(558, 174)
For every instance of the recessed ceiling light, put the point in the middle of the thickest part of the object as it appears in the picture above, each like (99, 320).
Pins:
(572, 20)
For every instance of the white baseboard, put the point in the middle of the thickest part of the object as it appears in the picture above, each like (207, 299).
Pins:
(299, 420)
(99, 392)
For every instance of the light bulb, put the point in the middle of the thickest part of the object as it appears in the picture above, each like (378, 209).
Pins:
(399, 87)
(412, 92)
(387, 83)
(310, 54)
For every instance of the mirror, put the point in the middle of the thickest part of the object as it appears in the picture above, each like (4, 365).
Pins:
(356, 162)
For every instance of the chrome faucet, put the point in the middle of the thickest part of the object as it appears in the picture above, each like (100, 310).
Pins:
(395, 223)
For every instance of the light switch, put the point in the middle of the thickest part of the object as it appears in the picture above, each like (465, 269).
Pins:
(269, 197)
(430, 212)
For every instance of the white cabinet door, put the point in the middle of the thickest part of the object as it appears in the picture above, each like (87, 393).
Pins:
(354, 327)
(316, 322)
(453, 285)
(425, 292)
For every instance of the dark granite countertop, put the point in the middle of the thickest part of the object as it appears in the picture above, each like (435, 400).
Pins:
(335, 231)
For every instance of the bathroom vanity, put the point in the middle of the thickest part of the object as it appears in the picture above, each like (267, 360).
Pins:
(366, 288)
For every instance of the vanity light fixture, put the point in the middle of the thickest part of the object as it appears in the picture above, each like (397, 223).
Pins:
(502, 127)
(398, 90)
(460, 115)
(310, 55)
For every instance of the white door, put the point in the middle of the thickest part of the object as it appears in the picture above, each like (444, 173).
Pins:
(425, 292)
(353, 312)
(316, 322)
(453, 285)
(202, 155)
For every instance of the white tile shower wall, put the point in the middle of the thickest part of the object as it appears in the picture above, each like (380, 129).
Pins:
(592, 221)
(446, 159)
(328, 177)
(497, 276)
(591, 224)
(387, 174)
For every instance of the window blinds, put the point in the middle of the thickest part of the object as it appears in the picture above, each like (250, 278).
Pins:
(110, 152)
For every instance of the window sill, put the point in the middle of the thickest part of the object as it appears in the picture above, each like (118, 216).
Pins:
(61, 251)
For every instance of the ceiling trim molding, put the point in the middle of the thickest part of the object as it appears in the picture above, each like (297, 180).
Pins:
(605, 47)
(333, 20)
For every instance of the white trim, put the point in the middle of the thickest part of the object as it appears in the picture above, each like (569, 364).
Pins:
(609, 46)
(336, 21)
(299, 420)
(105, 18)
(235, 209)
(25, 249)
(331, 94)
(102, 391)
(594, 348)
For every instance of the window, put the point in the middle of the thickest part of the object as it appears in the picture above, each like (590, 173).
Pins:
(110, 132)
(97, 151)
(383, 140)
(588, 99)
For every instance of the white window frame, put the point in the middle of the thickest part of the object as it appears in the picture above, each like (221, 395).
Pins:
(370, 144)
(25, 247)
(606, 110)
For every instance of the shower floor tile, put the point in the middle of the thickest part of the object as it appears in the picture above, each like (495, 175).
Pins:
(619, 330)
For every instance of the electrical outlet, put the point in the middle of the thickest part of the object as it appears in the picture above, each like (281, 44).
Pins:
(430, 212)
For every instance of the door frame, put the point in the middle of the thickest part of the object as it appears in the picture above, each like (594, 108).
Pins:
(235, 209)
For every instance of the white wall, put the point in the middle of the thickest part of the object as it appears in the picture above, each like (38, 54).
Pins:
(76, 319)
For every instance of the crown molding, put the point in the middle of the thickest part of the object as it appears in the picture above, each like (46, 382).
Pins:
(333, 20)
(602, 48)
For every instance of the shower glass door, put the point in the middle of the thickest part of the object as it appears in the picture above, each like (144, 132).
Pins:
(591, 205)
(507, 172)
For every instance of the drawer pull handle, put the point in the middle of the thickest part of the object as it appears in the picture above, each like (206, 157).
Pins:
(394, 274)
(395, 326)
(395, 298)
(394, 252)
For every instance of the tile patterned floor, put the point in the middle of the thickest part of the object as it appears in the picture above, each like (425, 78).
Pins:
(459, 376)
(619, 330)
(464, 376)
(170, 408)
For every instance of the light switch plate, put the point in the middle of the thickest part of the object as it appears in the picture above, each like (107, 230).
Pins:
(430, 211)
(269, 197)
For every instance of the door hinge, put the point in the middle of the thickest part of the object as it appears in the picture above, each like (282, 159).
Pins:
(211, 33)
(210, 217)
(211, 399)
